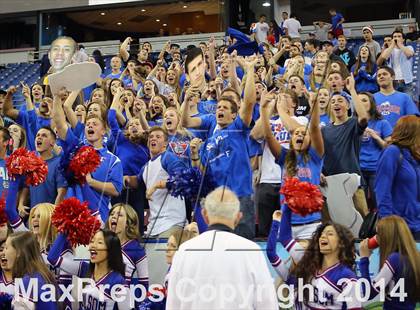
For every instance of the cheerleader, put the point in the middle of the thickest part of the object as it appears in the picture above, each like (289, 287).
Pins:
(105, 270)
(22, 256)
(124, 222)
(327, 266)
(6, 277)
(399, 264)
(303, 160)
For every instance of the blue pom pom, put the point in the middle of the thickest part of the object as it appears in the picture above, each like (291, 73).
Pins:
(5, 301)
(186, 183)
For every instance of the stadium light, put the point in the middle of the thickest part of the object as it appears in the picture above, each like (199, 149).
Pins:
(266, 4)
(103, 13)
(119, 23)
(143, 10)
(158, 20)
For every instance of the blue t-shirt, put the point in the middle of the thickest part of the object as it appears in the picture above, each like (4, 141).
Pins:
(29, 126)
(114, 76)
(335, 20)
(47, 191)
(370, 149)
(324, 120)
(207, 107)
(226, 154)
(393, 106)
(306, 172)
(110, 170)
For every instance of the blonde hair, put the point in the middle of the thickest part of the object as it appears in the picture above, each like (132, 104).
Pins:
(132, 224)
(47, 232)
(179, 129)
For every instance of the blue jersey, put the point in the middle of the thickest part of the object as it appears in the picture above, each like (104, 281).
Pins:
(47, 191)
(393, 106)
(226, 154)
(306, 172)
(109, 170)
(114, 75)
(324, 120)
(207, 106)
(180, 146)
(135, 261)
(29, 126)
(133, 156)
(369, 148)
(391, 275)
(335, 21)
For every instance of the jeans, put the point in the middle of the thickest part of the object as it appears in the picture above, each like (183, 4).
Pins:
(369, 188)
(246, 226)
(267, 200)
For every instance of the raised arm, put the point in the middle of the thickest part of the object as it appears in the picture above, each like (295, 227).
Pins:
(250, 94)
(317, 141)
(212, 62)
(273, 144)
(68, 108)
(27, 94)
(282, 109)
(8, 108)
(59, 118)
(123, 48)
(358, 106)
(11, 211)
(187, 120)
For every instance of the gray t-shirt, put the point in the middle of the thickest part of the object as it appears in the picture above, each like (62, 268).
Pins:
(374, 48)
(342, 147)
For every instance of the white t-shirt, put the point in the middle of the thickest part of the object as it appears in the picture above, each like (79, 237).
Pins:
(293, 27)
(396, 53)
(261, 30)
(270, 171)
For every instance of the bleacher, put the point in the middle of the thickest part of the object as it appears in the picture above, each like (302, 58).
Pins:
(29, 73)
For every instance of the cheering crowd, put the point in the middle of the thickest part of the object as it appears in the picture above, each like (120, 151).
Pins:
(248, 116)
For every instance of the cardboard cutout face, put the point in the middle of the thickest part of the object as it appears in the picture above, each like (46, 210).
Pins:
(61, 53)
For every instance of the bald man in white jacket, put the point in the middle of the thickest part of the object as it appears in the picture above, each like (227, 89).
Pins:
(218, 269)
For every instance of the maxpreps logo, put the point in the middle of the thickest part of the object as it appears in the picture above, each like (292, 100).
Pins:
(387, 108)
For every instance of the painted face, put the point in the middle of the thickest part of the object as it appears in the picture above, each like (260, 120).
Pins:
(117, 220)
(98, 96)
(94, 130)
(301, 139)
(170, 120)
(224, 114)
(339, 106)
(97, 248)
(35, 221)
(156, 142)
(329, 240)
(323, 98)
(171, 249)
(94, 110)
(196, 69)
(37, 92)
(9, 255)
(44, 140)
(61, 53)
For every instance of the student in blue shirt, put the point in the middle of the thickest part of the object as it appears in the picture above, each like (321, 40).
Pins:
(398, 174)
(226, 155)
(364, 71)
(54, 189)
(5, 139)
(337, 21)
(115, 67)
(374, 139)
(303, 160)
(399, 265)
(391, 103)
(107, 180)
(323, 101)
(23, 257)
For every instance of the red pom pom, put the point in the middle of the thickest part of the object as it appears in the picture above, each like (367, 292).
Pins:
(85, 161)
(75, 220)
(24, 162)
(3, 216)
(303, 198)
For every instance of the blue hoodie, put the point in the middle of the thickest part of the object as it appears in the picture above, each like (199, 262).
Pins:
(365, 81)
(398, 186)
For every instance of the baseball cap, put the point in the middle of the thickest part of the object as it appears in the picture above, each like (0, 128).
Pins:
(327, 42)
(369, 28)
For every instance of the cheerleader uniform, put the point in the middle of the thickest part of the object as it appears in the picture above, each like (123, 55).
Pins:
(97, 296)
(330, 287)
(6, 287)
(135, 260)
